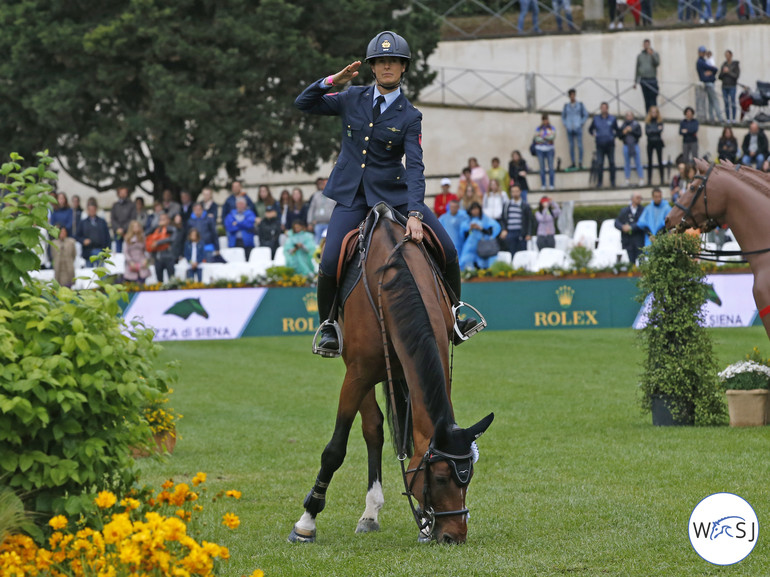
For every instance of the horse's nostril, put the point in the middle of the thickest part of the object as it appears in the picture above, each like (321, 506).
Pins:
(448, 539)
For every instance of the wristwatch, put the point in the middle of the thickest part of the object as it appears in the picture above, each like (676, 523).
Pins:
(415, 213)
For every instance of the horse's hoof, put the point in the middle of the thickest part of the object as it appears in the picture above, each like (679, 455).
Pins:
(367, 526)
(301, 535)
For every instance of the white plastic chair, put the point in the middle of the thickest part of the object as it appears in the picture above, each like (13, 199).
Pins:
(603, 258)
(223, 242)
(504, 256)
(550, 257)
(585, 233)
(260, 254)
(525, 259)
(87, 282)
(563, 242)
(118, 265)
(280, 257)
(234, 254)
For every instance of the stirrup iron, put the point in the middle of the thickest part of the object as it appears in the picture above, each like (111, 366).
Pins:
(326, 352)
(478, 327)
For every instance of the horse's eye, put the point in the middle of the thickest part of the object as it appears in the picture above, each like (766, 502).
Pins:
(443, 481)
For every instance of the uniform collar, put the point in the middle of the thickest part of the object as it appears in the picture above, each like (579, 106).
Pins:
(390, 97)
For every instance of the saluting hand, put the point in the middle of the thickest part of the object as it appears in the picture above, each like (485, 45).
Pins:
(414, 229)
(346, 74)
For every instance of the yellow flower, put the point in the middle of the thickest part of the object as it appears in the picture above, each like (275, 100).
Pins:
(231, 521)
(130, 504)
(105, 500)
(258, 573)
(168, 484)
(198, 479)
(58, 522)
(233, 493)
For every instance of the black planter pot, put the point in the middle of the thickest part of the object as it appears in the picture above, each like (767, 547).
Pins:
(661, 413)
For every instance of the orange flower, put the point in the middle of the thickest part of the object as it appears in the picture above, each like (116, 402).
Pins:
(233, 493)
(231, 521)
(198, 479)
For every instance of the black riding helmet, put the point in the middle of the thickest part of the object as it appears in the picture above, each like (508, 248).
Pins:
(389, 43)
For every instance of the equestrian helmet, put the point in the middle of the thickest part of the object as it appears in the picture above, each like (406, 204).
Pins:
(388, 43)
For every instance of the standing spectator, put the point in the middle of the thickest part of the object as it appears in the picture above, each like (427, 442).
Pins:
(647, 13)
(469, 192)
(62, 215)
(653, 218)
(284, 201)
(557, 7)
(137, 263)
(629, 133)
(185, 206)
(269, 230)
(77, 213)
(123, 212)
(499, 174)
(477, 175)
(159, 243)
(494, 202)
(729, 73)
(754, 146)
(194, 254)
(653, 128)
(265, 201)
(706, 12)
(647, 63)
(177, 247)
(239, 225)
(517, 222)
(688, 128)
(727, 148)
(320, 211)
(708, 75)
(64, 253)
(618, 10)
(604, 127)
(170, 206)
(141, 211)
(545, 134)
(299, 249)
(632, 237)
(206, 226)
(153, 220)
(685, 10)
(574, 116)
(93, 233)
(530, 6)
(237, 191)
(452, 221)
(297, 210)
(478, 227)
(517, 170)
(547, 213)
(210, 208)
(443, 198)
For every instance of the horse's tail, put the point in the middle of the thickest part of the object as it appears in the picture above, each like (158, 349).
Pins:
(401, 421)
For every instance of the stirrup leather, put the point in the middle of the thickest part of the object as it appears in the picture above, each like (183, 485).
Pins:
(478, 327)
(327, 352)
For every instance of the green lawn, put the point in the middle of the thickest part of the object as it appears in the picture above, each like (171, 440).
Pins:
(573, 479)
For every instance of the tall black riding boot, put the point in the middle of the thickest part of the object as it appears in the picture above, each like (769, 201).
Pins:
(328, 344)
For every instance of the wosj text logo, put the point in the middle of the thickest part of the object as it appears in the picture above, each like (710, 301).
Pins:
(723, 528)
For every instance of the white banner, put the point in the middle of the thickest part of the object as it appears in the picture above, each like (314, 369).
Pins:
(200, 314)
(730, 302)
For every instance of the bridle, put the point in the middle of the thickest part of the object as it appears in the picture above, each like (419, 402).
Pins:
(711, 223)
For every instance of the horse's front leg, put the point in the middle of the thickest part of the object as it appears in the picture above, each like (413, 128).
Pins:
(371, 425)
(354, 389)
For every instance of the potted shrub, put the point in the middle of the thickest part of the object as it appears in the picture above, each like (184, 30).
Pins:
(746, 384)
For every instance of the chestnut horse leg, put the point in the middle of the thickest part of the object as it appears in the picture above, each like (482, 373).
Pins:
(371, 425)
(762, 291)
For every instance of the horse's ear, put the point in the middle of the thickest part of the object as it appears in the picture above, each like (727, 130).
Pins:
(475, 431)
(701, 164)
(441, 434)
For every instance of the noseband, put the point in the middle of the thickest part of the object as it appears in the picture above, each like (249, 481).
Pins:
(710, 223)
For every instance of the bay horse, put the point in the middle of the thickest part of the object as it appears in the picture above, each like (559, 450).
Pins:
(738, 196)
(396, 325)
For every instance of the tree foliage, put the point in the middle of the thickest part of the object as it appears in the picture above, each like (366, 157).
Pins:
(165, 93)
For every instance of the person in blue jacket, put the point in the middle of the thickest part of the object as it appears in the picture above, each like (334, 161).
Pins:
(379, 127)
(452, 220)
(206, 225)
(477, 226)
(239, 225)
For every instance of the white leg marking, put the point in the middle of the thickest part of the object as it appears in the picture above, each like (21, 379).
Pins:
(306, 522)
(374, 502)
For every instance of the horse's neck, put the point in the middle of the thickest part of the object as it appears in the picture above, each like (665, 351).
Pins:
(747, 212)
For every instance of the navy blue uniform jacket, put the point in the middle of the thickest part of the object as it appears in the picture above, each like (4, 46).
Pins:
(372, 152)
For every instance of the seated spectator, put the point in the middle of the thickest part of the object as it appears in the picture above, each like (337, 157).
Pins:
(469, 192)
(297, 209)
(299, 249)
(632, 237)
(194, 252)
(210, 208)
(546, 214)
(93, 233)
(477, 175)
(237, 191)
(494, 201)
(62, 215)
(320, 211)
(754, 146)
(63, 254)
(653, 218)
(137, 263)
(727, 147)
(452, 221)
(499, 174)
(239, 225)
(443, 198)
(206, 226)
(269, 230)
(679, 182)
(477, 229)
(517, 222)
(159, 244)
(517, 170)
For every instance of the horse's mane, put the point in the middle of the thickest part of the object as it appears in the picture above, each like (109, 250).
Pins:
(749, 176)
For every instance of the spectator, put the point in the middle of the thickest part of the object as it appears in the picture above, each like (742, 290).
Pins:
(647, 13)
(452, 221)
(283, 207)
(727, 147)
(653, 128)
(320, 211)
(469, 191)
(170, 206)
(647, 62)
(517, 220)
(62, 215)
(177, 247)
(604, 127)
(204, 223)
(123, 212)
(530, 6)
(159, 244)
(265, 201)
(93, 234)
(745, 9)
(547, 213)
(754, 146)
(141, 211)
(679, 182)
(632, 237)
(766, 166)
(574, 116)
(494, 202)
(185, 206)
(153, 220)
(297, 209)
(557, 8)
(477, 175)
(64, 253)
(729, 73)
(194, 252)
(685, 10)
(443, 198)
(517, 170)
(77, 212)
(210, 208)
(479, 227)
(137, 263)
(237, 191)
(653, 218)
(618, 10)
(239, 225)
(499, 174)
(299, 249)
(269, 230)
(706, 12)
(708, 75)
(545, 134)
(688, 128)
(629, 133)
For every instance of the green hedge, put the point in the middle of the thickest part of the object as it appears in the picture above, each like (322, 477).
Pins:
(597, 212)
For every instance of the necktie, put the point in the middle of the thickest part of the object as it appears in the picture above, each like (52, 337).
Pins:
(376, 110)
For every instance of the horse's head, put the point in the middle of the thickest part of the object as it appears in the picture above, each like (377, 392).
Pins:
(694, 208)
(448, 468)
